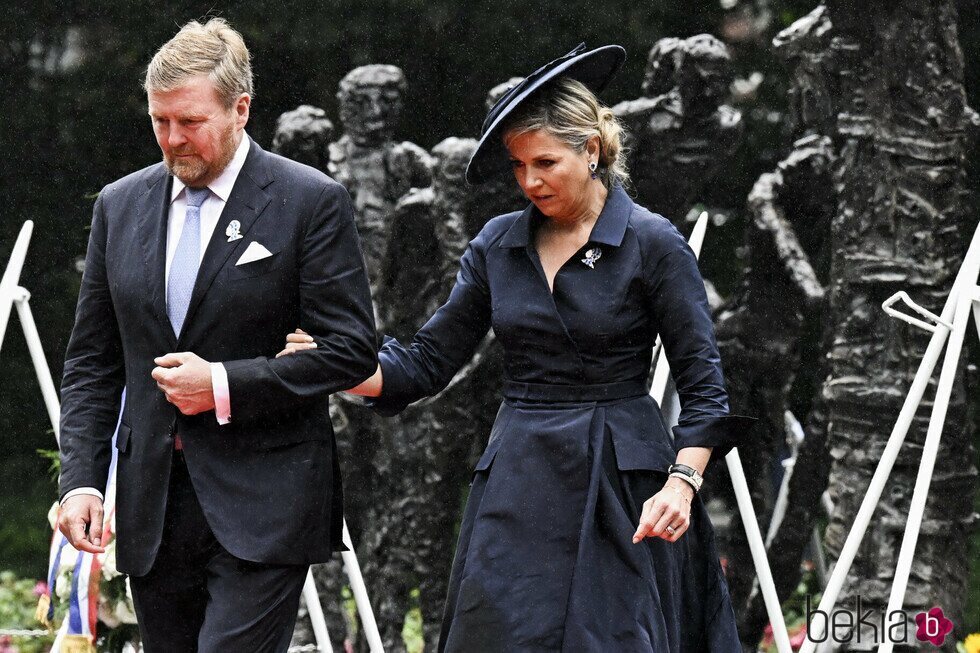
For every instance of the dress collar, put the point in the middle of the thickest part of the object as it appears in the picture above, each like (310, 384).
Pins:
(608, 229)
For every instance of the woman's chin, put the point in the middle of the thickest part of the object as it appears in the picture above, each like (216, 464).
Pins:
(546, 205)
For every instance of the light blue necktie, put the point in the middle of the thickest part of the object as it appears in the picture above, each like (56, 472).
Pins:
(187, 259)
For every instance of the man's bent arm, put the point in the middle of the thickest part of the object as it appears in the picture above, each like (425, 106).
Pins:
(335, 308)
(94, 377)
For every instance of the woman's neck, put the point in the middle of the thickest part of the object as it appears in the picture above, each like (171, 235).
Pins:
(583, 218)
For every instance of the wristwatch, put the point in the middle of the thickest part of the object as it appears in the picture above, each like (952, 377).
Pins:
(687, 471)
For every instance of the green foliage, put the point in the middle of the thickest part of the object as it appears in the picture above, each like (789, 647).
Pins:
(412, 630)
(794, 608)
(54, 459)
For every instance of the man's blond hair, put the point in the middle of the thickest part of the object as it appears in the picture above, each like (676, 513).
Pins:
(214, 49)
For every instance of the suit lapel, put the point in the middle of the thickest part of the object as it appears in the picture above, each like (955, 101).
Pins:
(247, 201)
(152, 210)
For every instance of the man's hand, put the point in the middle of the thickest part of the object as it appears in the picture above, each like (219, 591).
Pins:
(78, 513)
(185, 379)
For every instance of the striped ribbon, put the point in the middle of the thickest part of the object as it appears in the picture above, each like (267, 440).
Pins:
(80, 627)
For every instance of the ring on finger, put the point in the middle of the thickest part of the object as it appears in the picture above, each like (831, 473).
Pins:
(670, 529)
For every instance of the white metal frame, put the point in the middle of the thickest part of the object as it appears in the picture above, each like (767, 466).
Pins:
(12, 294)
(952, 325)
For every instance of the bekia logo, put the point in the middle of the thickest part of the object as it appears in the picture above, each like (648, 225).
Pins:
(932, 626)
(864, 624)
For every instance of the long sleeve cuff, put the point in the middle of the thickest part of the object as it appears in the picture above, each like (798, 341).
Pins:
(222, 397)
(397, 386)
(82, 490)
(721, 433)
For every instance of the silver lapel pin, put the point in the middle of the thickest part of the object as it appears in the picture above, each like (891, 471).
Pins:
(591, 256)
(234, 230)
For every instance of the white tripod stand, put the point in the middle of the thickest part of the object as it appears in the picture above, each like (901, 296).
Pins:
(952, 325)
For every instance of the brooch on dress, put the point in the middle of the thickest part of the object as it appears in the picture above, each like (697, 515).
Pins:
(591, 256)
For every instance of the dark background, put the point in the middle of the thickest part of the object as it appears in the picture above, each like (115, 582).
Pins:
(73, 118)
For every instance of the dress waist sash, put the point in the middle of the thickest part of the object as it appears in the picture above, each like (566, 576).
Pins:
(563, 393)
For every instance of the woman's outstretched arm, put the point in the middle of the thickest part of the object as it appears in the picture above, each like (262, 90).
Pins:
(440, 348)
(300, 340)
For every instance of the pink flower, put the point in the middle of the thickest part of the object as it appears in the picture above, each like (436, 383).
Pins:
(767, 637)
(40, 588)
(796, 641)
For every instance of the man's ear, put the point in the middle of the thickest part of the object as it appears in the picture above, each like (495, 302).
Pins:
(242, 105)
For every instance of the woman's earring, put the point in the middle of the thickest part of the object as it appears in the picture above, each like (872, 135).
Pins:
(592, 167)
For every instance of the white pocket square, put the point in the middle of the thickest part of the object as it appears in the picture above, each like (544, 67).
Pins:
(254, 252)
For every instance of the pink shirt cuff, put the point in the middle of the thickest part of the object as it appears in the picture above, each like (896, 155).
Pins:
(222, 396)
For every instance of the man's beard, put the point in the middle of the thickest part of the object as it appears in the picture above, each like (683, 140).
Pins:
(194, 172)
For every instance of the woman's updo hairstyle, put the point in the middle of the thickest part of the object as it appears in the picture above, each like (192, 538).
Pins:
(570, 112)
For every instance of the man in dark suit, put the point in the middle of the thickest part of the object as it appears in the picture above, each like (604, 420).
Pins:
(227, 483)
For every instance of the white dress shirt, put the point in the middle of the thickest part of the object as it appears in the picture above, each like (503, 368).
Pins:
(210, 214)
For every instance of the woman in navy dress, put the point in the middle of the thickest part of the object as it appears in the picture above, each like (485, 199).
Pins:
(574, 537)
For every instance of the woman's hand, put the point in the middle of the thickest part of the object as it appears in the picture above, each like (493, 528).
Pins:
(297, 341)
(667, 514)
(300, 340)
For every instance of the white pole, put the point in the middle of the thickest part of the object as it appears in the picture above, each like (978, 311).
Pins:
(317, 620)
(697, 234)
(930, 450)
(51, 401)
(758, 550)
(11, 275)
(794, 436)
(782, 501)
(895, 440)
(357, 587)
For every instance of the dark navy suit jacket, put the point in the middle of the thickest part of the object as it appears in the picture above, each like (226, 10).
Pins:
(268, 482)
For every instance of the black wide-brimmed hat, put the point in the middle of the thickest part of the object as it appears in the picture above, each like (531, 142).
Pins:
(594, 68)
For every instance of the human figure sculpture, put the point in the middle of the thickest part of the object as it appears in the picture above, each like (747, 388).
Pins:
(304, 134)
(766, 325)
(680, 131)
(432, 442)
(375, 169)
(435, 443)
(762, 325)
(900, 128)
(433, 222)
